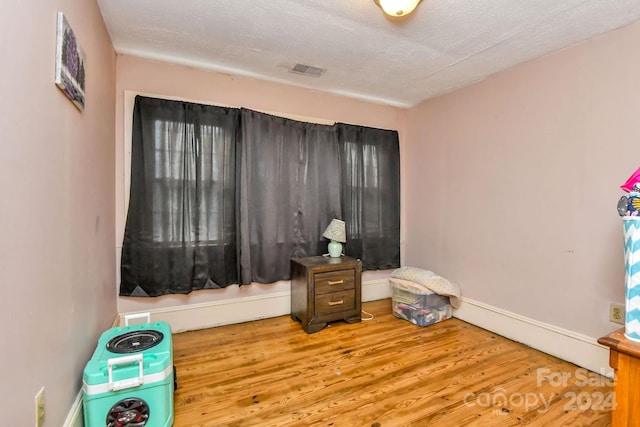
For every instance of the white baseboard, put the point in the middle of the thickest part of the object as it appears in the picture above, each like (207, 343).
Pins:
(567, 345)
(576, 348)
(75, 417)
(239, 310)
(225, 312)
(373, 290)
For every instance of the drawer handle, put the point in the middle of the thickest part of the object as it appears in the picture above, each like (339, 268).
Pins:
(335, 282)
(336, 302)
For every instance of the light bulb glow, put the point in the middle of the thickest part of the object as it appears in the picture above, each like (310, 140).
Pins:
(397, 7)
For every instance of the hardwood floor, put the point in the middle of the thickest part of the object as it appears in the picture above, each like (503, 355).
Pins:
(385, 372)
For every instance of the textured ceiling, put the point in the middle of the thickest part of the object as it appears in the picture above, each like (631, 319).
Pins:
(444, 45)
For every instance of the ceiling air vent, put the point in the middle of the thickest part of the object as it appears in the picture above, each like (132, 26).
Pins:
(307, 70)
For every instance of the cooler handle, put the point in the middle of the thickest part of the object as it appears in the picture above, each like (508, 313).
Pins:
(128, 317)
(127, 382)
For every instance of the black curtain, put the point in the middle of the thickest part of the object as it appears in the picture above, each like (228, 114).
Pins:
(289, 191)
(180, 233)
(370, 169)
(223, 196)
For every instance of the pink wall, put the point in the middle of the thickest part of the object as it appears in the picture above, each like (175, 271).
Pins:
(57, 208)
(136, 75)
(511, 184)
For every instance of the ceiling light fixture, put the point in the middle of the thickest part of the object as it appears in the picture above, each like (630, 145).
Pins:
(397, 8)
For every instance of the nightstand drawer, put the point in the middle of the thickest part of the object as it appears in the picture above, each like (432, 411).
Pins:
(334, 281)
(334, 302)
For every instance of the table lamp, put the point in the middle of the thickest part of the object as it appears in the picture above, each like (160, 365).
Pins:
(336, 232)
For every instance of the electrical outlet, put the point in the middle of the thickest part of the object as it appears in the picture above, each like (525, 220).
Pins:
(40, 408)
(616, 313)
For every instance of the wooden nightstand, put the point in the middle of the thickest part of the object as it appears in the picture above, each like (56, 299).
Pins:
(325, 289)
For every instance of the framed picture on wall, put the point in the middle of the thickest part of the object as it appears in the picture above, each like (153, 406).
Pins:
(70, 63)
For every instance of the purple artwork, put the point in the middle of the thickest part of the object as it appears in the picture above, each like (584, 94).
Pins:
(70, 63)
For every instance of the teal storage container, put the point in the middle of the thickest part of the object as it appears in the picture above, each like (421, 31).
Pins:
(129, 381)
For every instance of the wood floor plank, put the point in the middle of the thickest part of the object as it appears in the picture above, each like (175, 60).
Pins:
(385, 372)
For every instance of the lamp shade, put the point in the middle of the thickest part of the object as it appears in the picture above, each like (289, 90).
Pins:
(397, 7)
(336, 231)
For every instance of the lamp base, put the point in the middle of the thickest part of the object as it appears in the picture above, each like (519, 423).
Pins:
(335, 249)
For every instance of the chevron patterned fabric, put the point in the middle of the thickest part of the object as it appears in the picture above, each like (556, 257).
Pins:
(632, 276)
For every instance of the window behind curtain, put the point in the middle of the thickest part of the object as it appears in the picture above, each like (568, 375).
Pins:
(180, 233)
(370, 169)
(221, 196)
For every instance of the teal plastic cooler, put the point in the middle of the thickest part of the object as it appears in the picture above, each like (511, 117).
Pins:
(130, 379)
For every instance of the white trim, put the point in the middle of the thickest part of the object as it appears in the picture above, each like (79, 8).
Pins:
(239, 310)
(567, 345)
(74, 416)
(220, 313)
(373, 290)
